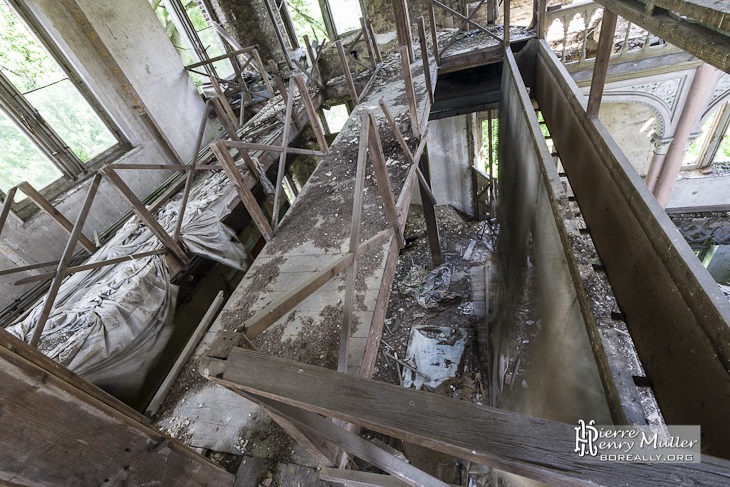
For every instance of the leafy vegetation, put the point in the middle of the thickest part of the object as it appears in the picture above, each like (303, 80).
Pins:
(307, 18)
(495, 144)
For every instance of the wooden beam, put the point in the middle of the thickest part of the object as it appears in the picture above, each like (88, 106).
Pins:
(143, 213)
(410, 91)
(86, 267)
(481, 434)
(506, 24)
(311, 112)
(212, 60)
(362, 157)
(313, 59)
(600, 68)
(259, 322)
(353, 444)
(467, 20)
(56, 215)
(282, 159)
(55, 433)
(248, 199)
(348, 75)
(434, 37)
(376, 47)
(368, 43)
(381, 175)
(187, 352)
(429, 211)
(233, 144)
(424, 57)
(262, 69)
(701, 41)
(64, 261)
(403, 28)
(7, 205)
(541, 14)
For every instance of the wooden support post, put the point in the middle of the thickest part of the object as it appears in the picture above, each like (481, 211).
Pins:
(191, 174)
(313, 59)
(7, 205)
(362, 158)
(63, 263)
(262, 69)
(506, 24)
(429, 212)
(277, 79)
(600, 68)
(86, 267)
(424, 57)
(348, 75)
(311, 112)
(185, 355)
(376, 47)
(410, 92)
(224, 102)
(247, 198)
(381, 175)
(56, 215)
(541, 15)
(368, 43)
(403, 27)
(143, 213)
(282, 159)
(434, 37)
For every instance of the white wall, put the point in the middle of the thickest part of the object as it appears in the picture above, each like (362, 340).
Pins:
(448, 152)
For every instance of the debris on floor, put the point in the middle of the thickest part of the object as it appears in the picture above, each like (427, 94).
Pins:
(435, 353)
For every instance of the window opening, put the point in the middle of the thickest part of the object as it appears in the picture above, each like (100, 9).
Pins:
(346, 15)
(336, 117)
(307, 18)
(46, 86)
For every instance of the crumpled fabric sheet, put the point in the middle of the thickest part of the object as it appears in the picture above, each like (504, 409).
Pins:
(110, 324)
(428, 288)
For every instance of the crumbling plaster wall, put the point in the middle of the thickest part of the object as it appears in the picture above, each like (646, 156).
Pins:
(380, 13)
(248, 21)
(137, 42)
(625, 121)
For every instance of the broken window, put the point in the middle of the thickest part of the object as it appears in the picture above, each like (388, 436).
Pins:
(336, 117)
(48, 125)
(307, 18)
(346, 15)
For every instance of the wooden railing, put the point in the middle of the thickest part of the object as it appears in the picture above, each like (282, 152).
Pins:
(570, 28)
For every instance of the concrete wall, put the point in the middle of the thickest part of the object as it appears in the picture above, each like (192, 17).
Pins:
(701, 191)
(449, 156)
(137, 42)
(625, 121)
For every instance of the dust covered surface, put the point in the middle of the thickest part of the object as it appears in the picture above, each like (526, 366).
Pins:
(457, 232)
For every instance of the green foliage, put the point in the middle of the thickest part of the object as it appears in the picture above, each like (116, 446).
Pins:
(22, 59)
(495, 144)
(307, 18)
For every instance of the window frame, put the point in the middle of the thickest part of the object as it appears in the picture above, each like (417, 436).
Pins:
(33, 125)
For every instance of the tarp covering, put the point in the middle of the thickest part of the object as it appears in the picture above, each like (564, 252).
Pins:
(108, 324)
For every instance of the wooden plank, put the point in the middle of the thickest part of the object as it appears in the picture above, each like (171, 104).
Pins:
(282, 159)
(381, 175)
(410, 92)
(311, 112)
(256, 325)
(424, 57)
(50, 366)
(170, 167)
(352, 443)
(429, 212)
(434, 37)
(360, 478)
(64, 261)
(481, 434)
(262, 69)
(248, 199)
(346, 69)
(147, 218)
(182, 359)
(86, 267)
(56, 215)
(273, 148)
(403, 28)
(277, 77)
(709, 12)
(467, 20)
(506, 24)
(313, 59)
(541, 14)
(346, 330)
(191, 174)
(368, 42)
(212, 60)
(7, 205)
(376, 46)
(600, 68)
(56, 434)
